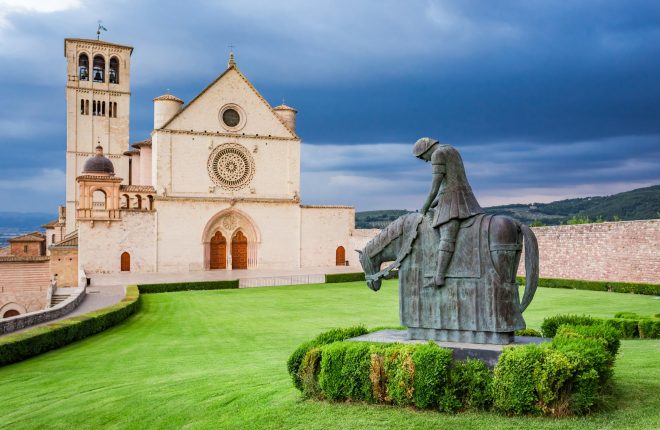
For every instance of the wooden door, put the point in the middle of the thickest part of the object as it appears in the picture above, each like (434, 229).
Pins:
(125, 262)
(340, 256)
(10, 313)
(218, 254)
(239, 251)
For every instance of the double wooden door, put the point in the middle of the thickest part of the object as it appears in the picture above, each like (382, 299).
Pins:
(239, 251)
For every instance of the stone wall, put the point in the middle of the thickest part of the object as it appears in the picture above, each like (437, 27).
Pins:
(627, 251)
(24, 283)
(64, 266)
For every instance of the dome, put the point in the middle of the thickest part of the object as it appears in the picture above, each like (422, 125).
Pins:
(99, 164)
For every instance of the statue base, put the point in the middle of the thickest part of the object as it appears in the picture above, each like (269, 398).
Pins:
(464, 336)
(489, 353)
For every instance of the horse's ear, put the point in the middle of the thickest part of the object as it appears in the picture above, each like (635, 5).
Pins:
(359, 251)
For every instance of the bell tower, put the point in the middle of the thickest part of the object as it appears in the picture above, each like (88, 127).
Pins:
(98, 95)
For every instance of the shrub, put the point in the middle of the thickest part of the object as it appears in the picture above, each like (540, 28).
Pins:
(19, 346)
(344, 277)
(627, 327)
(586, 353)
(609, 335)
(627, 315)
(431, 374)
(400, 374)
(528, 332)
(550, 325)
(514, 387)
(334, 335)
(552, 378)
(345, 370)
(649, 328)
(471, 385)
(309, 372)
(187, 286)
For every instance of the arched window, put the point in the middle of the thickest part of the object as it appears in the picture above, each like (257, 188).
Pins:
(151, 202)
(114, 111)
(98, 200)
(98, 71)
(110, 109)
(83, 67)
(94, 107)
(340, 256)
(52, 238)
(82, 107)
(138, 202)
(125, 262)
(125, 201)
(10, 313)
(113, 72)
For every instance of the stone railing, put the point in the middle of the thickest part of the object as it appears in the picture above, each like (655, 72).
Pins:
(8, 325)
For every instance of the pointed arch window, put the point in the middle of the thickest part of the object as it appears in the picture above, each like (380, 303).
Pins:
(83, 67)
(98, 71)
(113, 72)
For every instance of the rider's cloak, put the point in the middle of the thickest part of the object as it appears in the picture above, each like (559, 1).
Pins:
(455, 199)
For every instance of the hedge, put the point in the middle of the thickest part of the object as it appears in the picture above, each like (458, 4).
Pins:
(343, 277)
(187, 286)
(564, 377)
(615, 287)
(631, 327)
(19, 346)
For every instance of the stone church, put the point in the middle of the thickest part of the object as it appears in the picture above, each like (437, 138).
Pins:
(215, 186)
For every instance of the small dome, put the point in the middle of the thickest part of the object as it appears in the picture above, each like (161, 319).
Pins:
(168, 97)
(99, 164)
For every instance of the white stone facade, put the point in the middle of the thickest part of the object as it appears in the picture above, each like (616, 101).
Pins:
(216, 186)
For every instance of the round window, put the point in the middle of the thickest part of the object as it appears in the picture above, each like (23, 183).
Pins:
(231, 118)
(231, 166)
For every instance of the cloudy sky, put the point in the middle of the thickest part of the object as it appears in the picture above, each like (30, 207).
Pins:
(545, 99)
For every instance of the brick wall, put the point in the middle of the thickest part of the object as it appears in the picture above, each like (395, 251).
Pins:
(627, 251)
(27, 249)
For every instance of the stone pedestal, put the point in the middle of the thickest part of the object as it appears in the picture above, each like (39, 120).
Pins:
(461, 350)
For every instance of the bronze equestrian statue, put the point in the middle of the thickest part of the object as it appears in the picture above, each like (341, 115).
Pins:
(457, 266)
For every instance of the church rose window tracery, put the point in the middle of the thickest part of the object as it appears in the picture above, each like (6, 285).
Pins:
(231, 166)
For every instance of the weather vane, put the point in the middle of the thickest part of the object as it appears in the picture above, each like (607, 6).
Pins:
(98, 30)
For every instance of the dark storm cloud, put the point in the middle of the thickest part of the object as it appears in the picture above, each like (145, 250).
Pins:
(545, 99)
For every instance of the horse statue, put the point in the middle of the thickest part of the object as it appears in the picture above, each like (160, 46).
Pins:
(479, 301)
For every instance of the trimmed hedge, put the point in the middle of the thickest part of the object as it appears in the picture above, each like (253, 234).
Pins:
(334, 335)
(628, 327)
(615, 287)
(344, 277)
(17, 347)
(564, 377)
(187, 286)
(528, 332)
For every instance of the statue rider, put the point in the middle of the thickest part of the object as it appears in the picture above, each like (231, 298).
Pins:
(451, 198)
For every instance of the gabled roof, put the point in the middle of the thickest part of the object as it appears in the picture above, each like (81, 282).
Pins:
(208, 87)
(52, 224)
(69, 241)
(35, 236)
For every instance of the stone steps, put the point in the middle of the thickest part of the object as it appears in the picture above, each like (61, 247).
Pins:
(58, 298)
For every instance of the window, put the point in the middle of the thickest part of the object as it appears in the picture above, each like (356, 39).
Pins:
(114, 110)
(93, 107)
(83, 67)
(151, 202)
(113, 72)
(98, 200)
(110, 109)
(82, 107)
(25, 248)
(103, 109)
(86, 107)
(99, 69)
(52, 239)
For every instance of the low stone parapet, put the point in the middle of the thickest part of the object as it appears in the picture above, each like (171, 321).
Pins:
(30, 319)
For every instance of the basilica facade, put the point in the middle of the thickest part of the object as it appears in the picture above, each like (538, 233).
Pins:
(215, 186)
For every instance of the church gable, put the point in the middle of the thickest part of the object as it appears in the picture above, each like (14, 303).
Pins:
(230, 105)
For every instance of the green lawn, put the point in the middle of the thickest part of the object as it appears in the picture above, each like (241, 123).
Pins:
(216, 359)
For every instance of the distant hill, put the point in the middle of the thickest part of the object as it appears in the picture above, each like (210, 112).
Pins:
(642, 203)
(16, 223)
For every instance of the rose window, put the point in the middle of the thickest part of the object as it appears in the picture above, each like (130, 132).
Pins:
(231, 166)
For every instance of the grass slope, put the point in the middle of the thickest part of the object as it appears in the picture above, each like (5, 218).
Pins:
(216, 359)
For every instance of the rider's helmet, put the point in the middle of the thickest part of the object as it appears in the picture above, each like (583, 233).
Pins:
(423, 145)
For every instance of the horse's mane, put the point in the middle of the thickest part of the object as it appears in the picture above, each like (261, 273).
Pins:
(390, 233)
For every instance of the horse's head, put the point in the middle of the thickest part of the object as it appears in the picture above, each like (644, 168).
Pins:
(368, 267)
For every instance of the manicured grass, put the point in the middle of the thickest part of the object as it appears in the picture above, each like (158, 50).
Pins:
(217, 359)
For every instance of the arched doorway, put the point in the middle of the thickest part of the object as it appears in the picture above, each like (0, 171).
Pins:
(239, 251)
(10, 313)
(340, 256)
(218, 252)
(125, 262)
